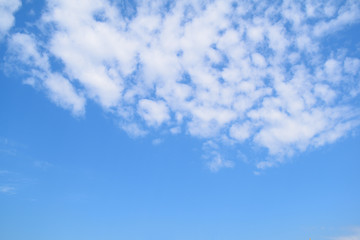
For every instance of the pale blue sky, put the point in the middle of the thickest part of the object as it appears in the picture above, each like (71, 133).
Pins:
(179, 120)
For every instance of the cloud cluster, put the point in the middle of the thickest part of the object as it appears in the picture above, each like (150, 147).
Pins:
(229, 71)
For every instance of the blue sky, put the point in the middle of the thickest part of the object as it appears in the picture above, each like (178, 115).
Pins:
(179, 120)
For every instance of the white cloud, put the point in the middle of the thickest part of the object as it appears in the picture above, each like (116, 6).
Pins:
(25, 48)
(352, 65)
(333, 70)
(217, 71)
(255, 33)
(258, 60)
(240, 132)
(324, 92)
(60, 90)
(7, 10)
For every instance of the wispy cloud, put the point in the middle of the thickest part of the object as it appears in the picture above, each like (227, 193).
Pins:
(44, 165)
(157, 141)
(7, 190)
(8, 147)
(216, 159)
(214, 69)
(354, 234)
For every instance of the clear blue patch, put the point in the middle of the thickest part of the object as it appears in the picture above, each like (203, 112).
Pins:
(127, 8)
(179, 53)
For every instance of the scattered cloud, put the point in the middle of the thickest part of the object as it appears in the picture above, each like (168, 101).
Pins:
(216, 70)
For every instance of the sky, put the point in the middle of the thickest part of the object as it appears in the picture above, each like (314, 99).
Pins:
(189, 120)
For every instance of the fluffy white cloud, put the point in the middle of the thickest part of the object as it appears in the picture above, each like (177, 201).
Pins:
(7, 10)
(224, 71)
(240, 132)
(62, 92)
(154, 113)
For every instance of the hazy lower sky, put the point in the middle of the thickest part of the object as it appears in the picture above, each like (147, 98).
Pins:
(179, 120)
